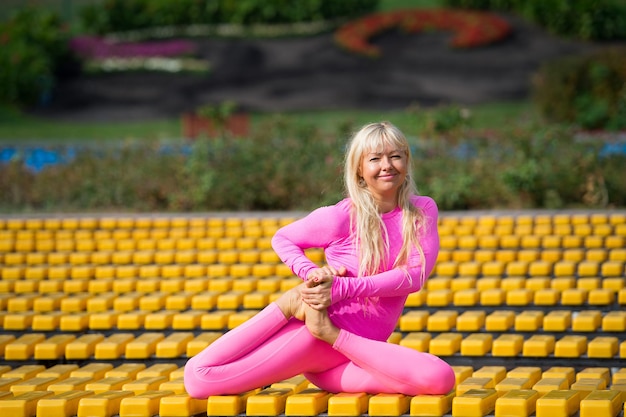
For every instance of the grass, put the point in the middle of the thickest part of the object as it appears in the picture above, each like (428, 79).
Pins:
(16, 127)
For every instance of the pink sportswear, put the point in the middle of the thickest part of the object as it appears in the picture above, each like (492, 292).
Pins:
(269, 348)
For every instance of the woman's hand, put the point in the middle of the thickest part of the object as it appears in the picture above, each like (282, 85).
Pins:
(317, 292)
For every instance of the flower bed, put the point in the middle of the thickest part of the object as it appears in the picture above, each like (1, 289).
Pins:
(471, 29)
(167, 55)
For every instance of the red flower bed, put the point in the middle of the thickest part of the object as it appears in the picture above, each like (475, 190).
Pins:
(471, 28)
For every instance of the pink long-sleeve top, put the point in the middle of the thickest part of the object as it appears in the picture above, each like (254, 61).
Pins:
(369, 306)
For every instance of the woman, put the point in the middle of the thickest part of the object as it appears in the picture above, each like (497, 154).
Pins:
(380, 243)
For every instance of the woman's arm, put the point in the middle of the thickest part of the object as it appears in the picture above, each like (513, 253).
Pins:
(317, 230)
(399, 280)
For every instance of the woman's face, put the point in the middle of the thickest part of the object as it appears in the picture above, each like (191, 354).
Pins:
(384, 172)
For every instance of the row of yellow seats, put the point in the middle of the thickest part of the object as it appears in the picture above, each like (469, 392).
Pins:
(450, 242)
(122, 284)
(97, 346)
(532, 268)
(180, 344)
(532, 255)
(252, 292)
(149, 256)
(134, 300)
(209, 310)
(267, 231)
(506, 320)
(508, 283)
(473, 242)
(522, 297)
(162, 319)
(139, 222)
(45, 238)
(141, 257)
(132, 271)
(535, 218)
(27, 246)
(446, 219)
(522, 391)
(481, 345)
(539, 231)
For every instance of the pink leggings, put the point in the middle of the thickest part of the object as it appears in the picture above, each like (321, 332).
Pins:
(269, 348)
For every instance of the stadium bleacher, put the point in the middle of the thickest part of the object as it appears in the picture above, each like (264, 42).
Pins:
(98, 315)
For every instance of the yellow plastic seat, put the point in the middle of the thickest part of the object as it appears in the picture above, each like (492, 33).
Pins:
(614, 321)
(612, 269)
(414, 320)
(21, 348)
(588, 269)
(441, 321)
(474, 402)
(531, 242)
(517, 268)
(587, 321)
(518, 403)
(574, 296)
(603, 347)
(557, 321)
(492, 297)
(529, 321)
(507, 345)
(476, 344)
(488, 241)
(601, 297)
(602, 402)
(268, 402)
(24, 404)
(466, 297)
(447, 269)
(470, 321)
(614, 242)
(538, 346)
(567, 372)
(493, 268)
(593, 242)
(425, 405)
(113, 347)
(445, 344)
(419, 341)
(540, 268)
(549, 384)
(570, 346)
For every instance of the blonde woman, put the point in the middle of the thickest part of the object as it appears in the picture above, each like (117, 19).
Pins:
(380, 244)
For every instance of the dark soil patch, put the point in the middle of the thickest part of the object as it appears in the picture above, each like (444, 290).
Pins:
(276, 75)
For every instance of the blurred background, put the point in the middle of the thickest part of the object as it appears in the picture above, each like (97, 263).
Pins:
(197, 105)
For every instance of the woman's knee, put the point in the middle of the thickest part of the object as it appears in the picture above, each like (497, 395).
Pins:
(194, 386)
(440, 378)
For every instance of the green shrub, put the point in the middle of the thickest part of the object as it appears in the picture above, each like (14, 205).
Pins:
(584, 19)
(32, 46)
(288, 167)
(124, 15)
(588, 90)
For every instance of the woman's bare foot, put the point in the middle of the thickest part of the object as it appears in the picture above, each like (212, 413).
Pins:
(320, 326)
(291, 304)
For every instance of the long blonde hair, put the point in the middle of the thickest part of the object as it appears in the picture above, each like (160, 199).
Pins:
(370, 232)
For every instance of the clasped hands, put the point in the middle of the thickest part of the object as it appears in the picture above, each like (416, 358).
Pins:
(317, 291)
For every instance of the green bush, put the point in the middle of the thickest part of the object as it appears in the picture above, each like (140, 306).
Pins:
(586, 90)
(123, 15)
(584, 19)
(32, 46)
(535, 167)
